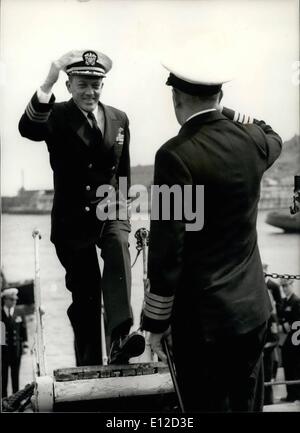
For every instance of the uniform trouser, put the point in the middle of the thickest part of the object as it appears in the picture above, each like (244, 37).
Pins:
(10, 360)
(224, 375)
(83, 279)
(291, 364)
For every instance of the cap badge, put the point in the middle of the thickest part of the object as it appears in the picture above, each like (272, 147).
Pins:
(90, 58)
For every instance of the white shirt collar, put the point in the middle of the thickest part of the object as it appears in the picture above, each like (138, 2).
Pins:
(200, 112)
(95, 112)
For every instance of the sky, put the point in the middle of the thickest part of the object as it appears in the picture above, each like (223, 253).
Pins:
(259, 39)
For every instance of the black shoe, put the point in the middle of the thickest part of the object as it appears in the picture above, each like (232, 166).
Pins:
(122, 349)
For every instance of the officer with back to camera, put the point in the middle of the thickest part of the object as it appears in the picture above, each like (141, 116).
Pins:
(209, 284)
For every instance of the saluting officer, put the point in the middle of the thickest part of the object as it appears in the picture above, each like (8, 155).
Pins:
(88, 144)
(15, 339)
(209, 284)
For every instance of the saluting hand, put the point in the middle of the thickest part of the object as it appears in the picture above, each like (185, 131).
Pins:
(55, 68)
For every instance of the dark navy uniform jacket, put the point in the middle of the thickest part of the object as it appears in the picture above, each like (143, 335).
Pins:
(214, 274)
(78, 168)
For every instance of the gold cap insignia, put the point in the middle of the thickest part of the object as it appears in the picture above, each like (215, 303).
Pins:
(90, 58)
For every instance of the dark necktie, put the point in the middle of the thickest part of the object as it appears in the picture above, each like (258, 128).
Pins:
(97, 134)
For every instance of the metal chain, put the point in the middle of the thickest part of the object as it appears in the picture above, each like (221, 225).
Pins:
(284, 276)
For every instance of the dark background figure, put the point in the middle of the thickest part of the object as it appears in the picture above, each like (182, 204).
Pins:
(15, 339)
(88, 144)
(290, 351)
(209, 284)
(272, 356)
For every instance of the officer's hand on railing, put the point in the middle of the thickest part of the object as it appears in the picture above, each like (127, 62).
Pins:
(155, 341)
(168, 337)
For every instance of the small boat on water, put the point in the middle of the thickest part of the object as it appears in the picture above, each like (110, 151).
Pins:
(284, 220)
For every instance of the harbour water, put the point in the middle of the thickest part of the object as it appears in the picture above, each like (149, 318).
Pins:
(279, 249)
